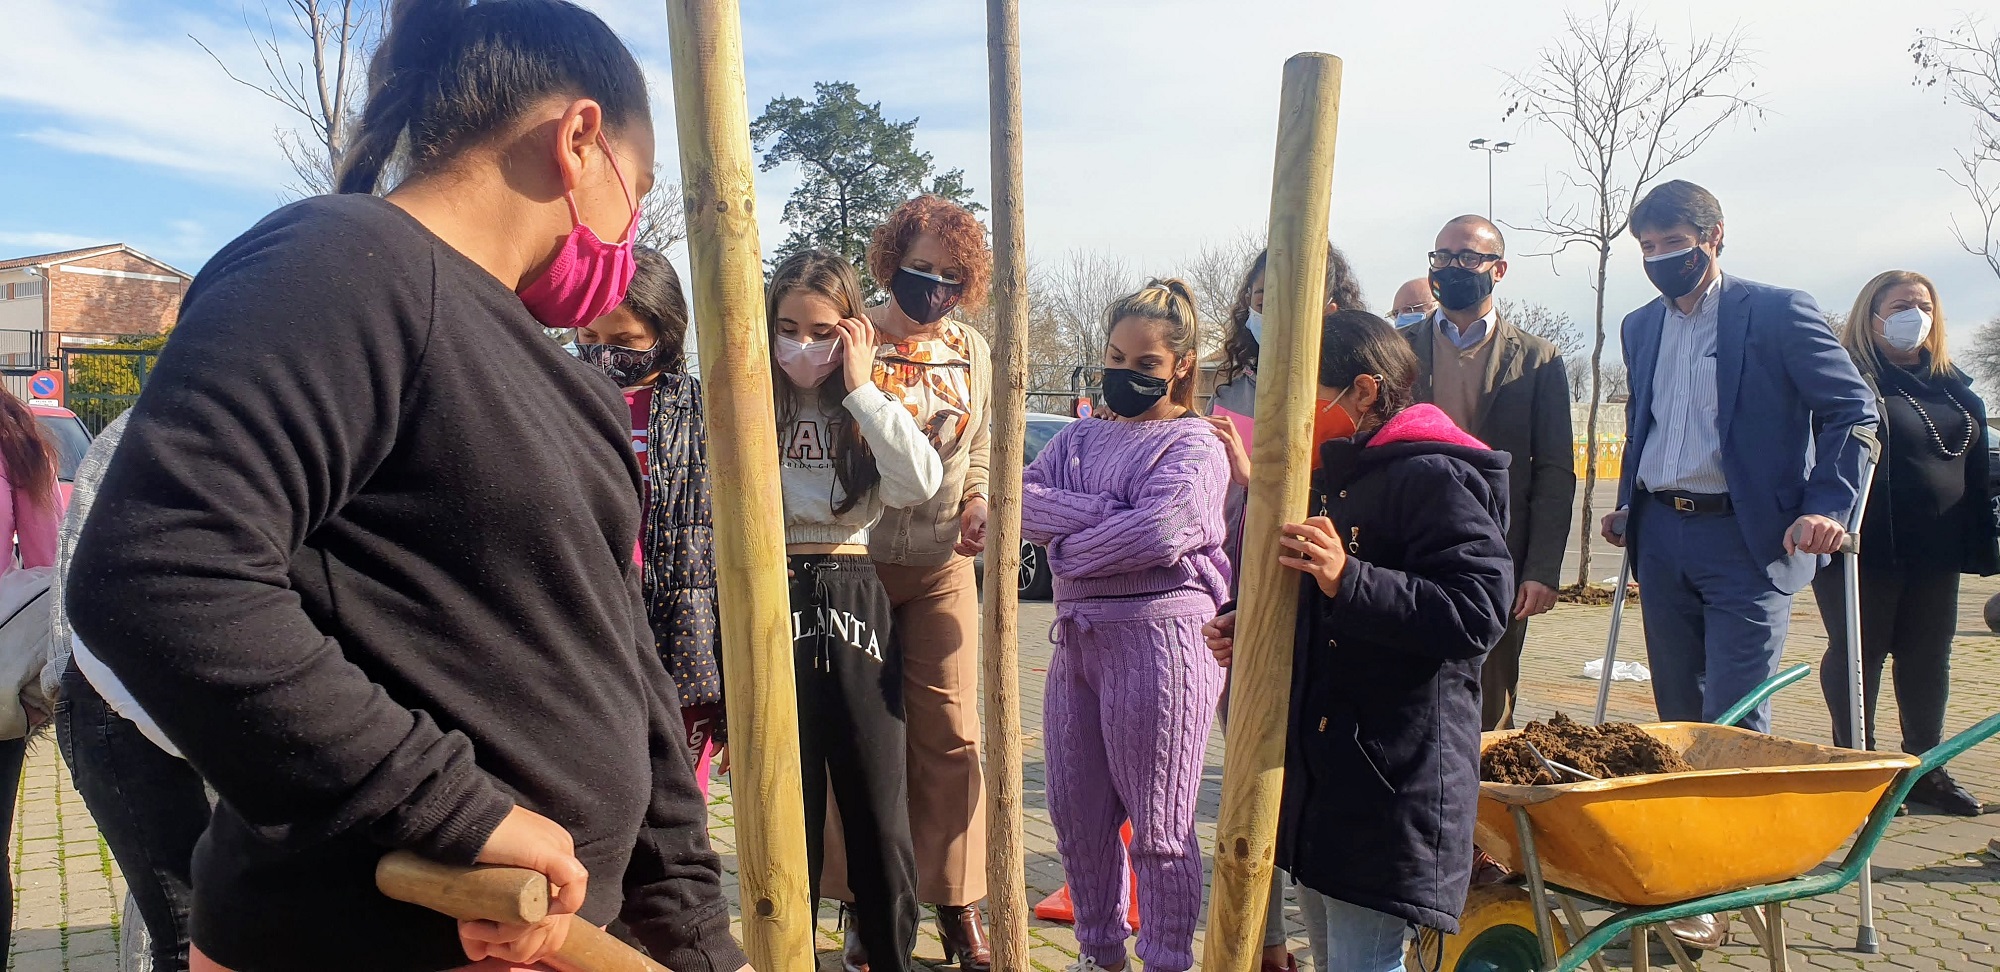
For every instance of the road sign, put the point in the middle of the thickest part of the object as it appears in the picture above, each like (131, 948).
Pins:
(46, 388)
(1083, 408)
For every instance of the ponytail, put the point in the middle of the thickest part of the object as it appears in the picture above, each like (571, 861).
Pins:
(449, 73)
(1171, 302)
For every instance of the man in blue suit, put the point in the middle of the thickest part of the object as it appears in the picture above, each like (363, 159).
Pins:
(1745, 435)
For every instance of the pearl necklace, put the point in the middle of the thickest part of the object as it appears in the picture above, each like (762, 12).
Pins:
(1937, 439)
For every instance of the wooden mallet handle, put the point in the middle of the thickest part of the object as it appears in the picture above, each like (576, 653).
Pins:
(510, 895)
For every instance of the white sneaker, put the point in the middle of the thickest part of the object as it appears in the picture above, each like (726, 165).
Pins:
(1085, 964)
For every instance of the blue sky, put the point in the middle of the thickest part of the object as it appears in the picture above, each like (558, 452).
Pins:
(1150, 128)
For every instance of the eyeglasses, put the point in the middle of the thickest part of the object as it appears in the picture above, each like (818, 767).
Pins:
(1468, 259)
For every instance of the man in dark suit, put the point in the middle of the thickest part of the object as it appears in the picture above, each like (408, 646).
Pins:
(1508, 388)
(1745, 435)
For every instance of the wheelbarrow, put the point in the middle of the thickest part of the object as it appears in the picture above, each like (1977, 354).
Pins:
(1738, 833)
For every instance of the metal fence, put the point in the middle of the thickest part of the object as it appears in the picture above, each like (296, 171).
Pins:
(15, 380)
(22, 349)
(104, 382)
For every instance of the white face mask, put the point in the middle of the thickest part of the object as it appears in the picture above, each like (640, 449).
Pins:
(1255, 325)
(1906, 329)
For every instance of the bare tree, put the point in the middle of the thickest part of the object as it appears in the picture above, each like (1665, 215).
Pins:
(1965, 61)
(339, 36)
(662, 215)
(1617, 384)
(1629, 106)
(1077, 291)
(1051, 356)
(1981, 358)
(1579, 378)
(1550, 325)
(1837, 322)
(1215, 273)
(1556, 328)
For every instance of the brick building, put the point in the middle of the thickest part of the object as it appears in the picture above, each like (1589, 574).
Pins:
(82, 297)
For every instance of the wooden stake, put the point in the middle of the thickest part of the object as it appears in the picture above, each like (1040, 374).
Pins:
(1253, 767)
(1005, 862)
(711, 115)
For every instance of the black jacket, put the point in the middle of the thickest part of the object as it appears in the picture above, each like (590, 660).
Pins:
(1880, 544)
(1382, 763)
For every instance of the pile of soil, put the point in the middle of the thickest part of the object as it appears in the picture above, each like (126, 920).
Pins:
(1599, 594)
(1611, 750)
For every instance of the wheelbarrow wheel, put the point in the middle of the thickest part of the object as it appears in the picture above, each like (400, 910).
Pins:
(1496, 933)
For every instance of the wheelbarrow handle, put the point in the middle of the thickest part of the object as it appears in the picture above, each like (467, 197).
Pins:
(510, 895)
(1749, 703)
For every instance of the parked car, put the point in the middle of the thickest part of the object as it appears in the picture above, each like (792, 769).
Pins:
(71, 438)
(1035, 583)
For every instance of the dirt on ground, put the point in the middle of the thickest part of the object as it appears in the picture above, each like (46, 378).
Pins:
(1599, 594)
(1611, 750)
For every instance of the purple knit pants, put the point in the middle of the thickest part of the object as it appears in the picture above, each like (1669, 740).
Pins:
(1131, 697)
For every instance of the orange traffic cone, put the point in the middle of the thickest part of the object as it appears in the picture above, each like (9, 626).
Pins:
(1057, 907)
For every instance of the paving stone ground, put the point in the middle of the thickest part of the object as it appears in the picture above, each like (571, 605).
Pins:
(1938, 887)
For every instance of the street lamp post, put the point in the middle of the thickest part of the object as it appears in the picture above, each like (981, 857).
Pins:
(1491, 149)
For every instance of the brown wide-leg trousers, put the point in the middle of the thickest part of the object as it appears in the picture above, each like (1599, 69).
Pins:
(937, 621)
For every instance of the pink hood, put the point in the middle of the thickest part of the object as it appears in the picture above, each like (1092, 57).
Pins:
(1423, 423)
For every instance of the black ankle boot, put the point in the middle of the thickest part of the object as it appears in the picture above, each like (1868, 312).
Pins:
(1937, 790)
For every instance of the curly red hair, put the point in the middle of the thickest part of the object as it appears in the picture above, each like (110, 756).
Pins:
(960, 231)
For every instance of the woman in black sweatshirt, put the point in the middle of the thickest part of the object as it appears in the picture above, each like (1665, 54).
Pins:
(352, 552)
(1929, 519)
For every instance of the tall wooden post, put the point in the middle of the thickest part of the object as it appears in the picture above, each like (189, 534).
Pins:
(1253, 766)
(713, 121)
(1005, 864)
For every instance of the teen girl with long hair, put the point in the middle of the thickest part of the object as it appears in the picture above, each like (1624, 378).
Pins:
(847, 451)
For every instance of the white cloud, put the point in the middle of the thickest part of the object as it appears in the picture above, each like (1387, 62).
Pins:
(23, 243)
(122, 79)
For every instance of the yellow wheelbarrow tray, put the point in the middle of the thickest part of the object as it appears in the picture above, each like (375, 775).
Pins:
(1756, 809)
(1739, 833)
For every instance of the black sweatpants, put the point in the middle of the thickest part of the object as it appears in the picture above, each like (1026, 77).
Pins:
(851, 737)
(1908, 613)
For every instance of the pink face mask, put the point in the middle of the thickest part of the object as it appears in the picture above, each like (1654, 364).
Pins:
(589, 276)
(808, 364)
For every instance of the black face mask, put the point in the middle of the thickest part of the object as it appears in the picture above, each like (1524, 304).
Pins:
(1677, 273)
(1457, 288)
(1130, 393)
(624, 366)
(925, 298)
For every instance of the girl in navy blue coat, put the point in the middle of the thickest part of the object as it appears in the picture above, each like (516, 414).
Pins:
(1407, 586)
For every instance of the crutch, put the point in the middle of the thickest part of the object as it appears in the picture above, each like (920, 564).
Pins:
(1617, 618)
(1850, 552)
(511, 895)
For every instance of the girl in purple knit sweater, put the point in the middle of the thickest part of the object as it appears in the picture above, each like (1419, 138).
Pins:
(1130, 510)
